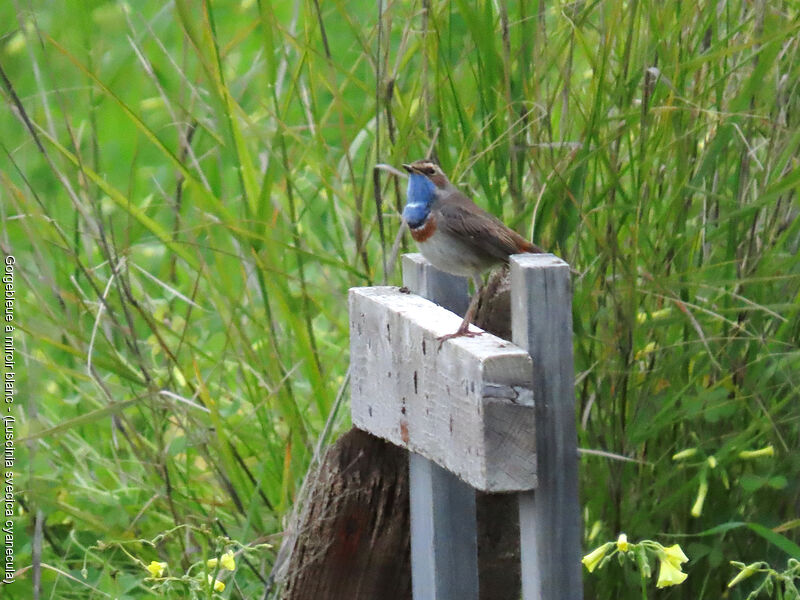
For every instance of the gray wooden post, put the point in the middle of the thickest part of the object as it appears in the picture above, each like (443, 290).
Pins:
(444, 533)
(422, 278)
(550, 526)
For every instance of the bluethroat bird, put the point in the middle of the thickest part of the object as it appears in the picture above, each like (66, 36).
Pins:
(455, 234)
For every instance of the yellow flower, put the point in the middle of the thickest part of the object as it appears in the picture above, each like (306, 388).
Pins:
(156, 568)
(670, 574)
(675, 555)
(218, 585)
(228, 562)
(593, 559)
(622, 543)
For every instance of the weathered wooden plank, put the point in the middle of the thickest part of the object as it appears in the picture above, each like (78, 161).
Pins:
(444, 538)
(466, 405)
(550, 526)
(444, 526)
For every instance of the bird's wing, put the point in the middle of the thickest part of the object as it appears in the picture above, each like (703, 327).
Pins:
(462, 218)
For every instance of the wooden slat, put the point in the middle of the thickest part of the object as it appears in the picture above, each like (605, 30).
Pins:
(444, 526)
(423, 279)
(550, 525)
(466, 405)
(444, 539)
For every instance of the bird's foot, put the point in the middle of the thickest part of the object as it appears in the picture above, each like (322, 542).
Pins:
(462, 332)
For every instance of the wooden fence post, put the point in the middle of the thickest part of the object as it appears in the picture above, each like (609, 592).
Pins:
(550, 526)
(476, 413)
(444, 534)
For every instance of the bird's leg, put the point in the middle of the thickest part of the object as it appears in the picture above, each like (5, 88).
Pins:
(471, 310)
(463, 329)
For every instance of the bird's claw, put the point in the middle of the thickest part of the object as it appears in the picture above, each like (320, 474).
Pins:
(460, 333)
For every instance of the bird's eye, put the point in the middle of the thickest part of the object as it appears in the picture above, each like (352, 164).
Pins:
(430, 171)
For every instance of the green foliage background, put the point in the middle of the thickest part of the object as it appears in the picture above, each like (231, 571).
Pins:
(188, 190)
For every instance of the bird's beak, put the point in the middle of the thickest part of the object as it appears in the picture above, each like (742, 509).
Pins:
(408, 168)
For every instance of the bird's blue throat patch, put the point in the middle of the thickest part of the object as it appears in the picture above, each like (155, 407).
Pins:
(421, 192)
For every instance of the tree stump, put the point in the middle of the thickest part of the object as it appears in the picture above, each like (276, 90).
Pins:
(354, 533)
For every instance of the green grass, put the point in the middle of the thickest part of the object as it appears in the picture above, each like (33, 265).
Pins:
(190, 194)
